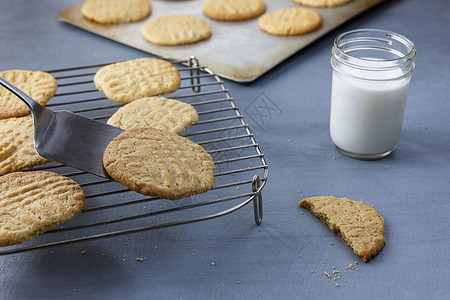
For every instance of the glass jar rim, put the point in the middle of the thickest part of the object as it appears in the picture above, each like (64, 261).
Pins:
(358, 61)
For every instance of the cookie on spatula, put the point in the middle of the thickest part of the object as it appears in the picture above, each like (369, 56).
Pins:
(159, 163)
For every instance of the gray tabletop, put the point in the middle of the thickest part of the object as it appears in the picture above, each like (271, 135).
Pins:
(288, 254)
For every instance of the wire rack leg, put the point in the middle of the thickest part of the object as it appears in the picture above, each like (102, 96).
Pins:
(257, 201)
(193, 64)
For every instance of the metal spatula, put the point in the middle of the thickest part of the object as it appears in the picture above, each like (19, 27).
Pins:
(66, 137)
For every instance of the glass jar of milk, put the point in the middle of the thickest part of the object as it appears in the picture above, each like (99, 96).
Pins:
(371, 73)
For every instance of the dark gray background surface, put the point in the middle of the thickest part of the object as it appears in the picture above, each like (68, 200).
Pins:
(410, 188)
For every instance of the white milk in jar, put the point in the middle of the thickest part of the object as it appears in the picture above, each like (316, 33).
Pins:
(371, 74)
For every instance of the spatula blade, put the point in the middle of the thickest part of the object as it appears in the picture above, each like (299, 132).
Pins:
(76, 141)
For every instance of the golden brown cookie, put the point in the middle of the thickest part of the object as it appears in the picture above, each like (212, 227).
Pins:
(135, 79)
(17, 145)
(158, 163)
(159, 113)
(40, 86)
(115, 11)
(33, 202)
(360, 225)
(176, 30)
(321, 3)
(290, 21)
(233, 10)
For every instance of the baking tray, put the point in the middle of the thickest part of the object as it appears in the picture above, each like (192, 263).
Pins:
(239, 51)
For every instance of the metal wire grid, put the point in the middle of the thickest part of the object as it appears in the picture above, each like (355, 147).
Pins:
(111, 209)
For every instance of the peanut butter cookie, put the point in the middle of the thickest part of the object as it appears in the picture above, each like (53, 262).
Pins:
(130, 80)
(159, 163)
(40, 86)
(159, 113)
(360, 225)
(290, 21)
(33, 202)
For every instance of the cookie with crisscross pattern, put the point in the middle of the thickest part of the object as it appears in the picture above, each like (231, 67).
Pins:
(176, 30)
(290, 21)
(233, 10)
(159, 163)
(156, 112)
(135, 79)
(322, 3)
(17, 145)
(115, 11)
(33, 202)
(40, 86)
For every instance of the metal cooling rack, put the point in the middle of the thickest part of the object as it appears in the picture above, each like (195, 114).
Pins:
(111, 209)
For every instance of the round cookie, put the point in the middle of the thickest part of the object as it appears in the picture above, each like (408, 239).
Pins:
(40, 86)
(322, 3)
(115, 11)
(33, 202)
(233, 10)
(130, 80)
(159, 113)
(176, 30)
(290, 21)
(17, 145)
(157, 163)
